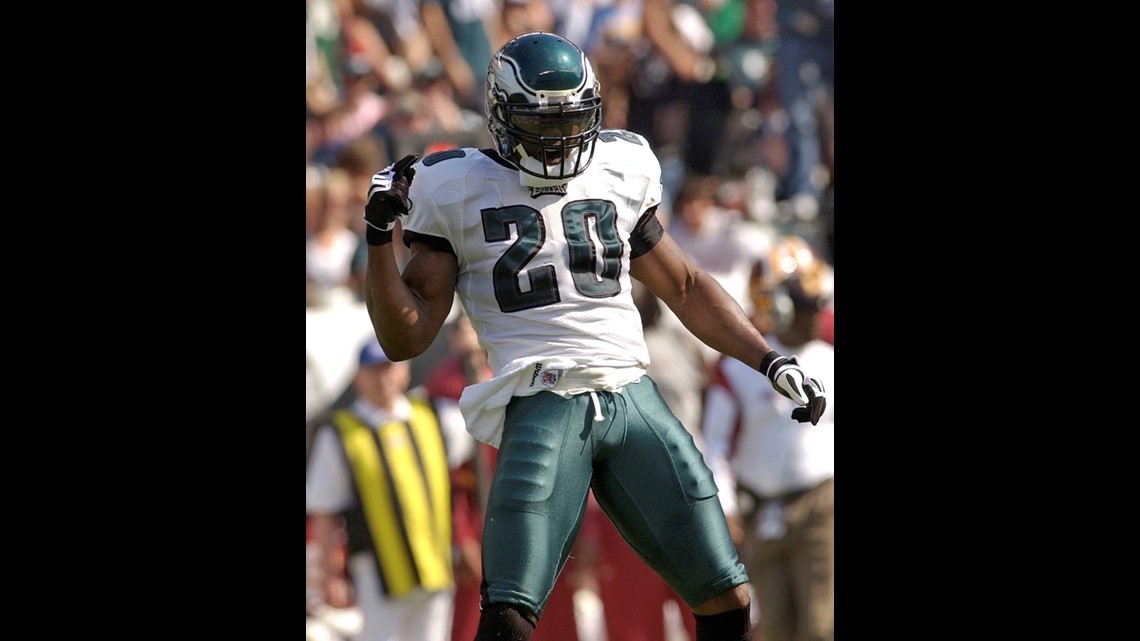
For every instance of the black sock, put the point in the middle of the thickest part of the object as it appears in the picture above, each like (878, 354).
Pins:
(503, 622)
(733, 625)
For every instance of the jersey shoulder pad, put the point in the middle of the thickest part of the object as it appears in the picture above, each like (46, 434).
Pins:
(626, 151)
(443, 167)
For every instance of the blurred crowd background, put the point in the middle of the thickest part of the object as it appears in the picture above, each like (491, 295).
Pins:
(735, 97)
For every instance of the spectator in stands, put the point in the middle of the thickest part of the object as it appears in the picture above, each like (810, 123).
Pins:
(679, 99)
(806, 87)
(335, 255)
(723, 243)
(463, 35)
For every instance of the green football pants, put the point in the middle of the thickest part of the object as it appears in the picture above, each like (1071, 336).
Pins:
(647, 475)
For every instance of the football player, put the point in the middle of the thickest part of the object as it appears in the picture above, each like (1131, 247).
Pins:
(540, 237)
(777, 476)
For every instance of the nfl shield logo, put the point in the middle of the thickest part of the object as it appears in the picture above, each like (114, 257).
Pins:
(550, 377)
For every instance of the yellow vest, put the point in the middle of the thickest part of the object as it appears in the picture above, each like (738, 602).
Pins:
(404, 490)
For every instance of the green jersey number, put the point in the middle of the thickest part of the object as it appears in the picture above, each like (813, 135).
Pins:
(581, 219)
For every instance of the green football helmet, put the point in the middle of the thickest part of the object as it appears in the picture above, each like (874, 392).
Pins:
(544, 107)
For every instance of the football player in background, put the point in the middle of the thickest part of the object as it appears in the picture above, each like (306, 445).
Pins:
(540, 236)
(776, 475)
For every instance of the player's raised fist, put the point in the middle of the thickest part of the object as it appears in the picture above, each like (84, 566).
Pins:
(388, 199)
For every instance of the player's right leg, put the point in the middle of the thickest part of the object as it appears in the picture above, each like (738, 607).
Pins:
(534, 510)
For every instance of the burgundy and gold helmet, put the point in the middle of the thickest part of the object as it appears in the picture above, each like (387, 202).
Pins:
(793, 276)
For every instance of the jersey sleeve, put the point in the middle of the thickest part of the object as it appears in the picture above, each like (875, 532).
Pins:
(436, 198)
(634, 174)
(651, 167)
(646, 234)
(423, 218)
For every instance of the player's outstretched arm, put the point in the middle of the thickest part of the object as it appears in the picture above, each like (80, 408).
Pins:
(714, 316)
(705, 308)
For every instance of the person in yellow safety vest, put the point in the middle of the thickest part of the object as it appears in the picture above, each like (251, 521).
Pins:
(379, 468)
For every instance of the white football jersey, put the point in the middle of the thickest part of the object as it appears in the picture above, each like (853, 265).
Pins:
(543, 271)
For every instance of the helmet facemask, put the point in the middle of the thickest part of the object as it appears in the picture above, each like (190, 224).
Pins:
(553, 143)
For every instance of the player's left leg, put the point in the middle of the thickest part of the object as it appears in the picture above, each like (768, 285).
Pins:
(652, 481)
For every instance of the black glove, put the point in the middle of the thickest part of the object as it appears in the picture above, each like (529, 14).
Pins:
(387, 199)
(790, 380)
